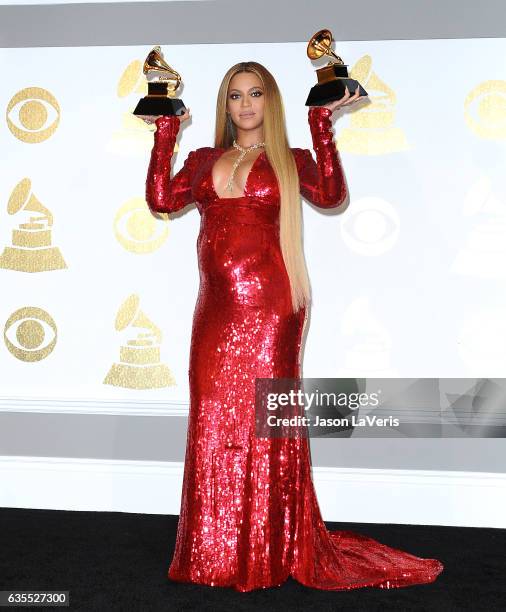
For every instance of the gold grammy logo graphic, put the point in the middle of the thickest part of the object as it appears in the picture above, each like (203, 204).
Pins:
(372, 130)
(29, 334)
(139, 366)
(135, 227)
(33, 114)
(31, 249)
(370, 351)
(135, 136)
(485, 110)
(480, 345)
(483, 255)
(132, 81)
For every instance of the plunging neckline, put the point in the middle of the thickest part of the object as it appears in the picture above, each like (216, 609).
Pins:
(246, 182)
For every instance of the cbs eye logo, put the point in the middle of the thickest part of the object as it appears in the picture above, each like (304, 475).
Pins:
(485, 110)
(373, 227)
(26, 330)
(38, 114)
(136, 228)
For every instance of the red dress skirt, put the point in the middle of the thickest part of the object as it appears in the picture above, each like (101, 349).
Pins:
(249, 514)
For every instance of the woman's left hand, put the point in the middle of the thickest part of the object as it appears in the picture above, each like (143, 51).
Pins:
(346, 100)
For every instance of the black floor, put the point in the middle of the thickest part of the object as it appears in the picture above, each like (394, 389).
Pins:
(117, 561)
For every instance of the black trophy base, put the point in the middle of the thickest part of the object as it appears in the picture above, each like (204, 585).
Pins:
(333, 90)
(160, 105)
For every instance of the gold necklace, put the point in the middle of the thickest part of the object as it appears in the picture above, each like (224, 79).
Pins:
(243, 151)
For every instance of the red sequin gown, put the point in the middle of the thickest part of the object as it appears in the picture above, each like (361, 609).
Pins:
(249, 513)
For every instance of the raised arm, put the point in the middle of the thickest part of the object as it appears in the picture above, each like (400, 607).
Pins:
(321, 182)
(165, 194)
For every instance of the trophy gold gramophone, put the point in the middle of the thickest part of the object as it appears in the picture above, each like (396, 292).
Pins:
(163, 81)
(332, 78)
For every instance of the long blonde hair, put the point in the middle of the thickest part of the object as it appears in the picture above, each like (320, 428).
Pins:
(281, 159)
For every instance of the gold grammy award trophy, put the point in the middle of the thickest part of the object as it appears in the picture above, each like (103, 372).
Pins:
(332, 78)
(163, 81)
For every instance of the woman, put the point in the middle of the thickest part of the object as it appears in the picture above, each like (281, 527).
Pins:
(249, 514)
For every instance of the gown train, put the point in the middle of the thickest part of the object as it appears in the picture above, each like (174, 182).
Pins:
(249, 514)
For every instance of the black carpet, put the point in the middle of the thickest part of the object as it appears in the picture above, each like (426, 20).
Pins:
(118, 561)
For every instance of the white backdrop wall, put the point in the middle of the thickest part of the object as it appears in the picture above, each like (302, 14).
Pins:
(408, 281)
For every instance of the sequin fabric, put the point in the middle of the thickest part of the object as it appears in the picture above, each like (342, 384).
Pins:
(249, 514)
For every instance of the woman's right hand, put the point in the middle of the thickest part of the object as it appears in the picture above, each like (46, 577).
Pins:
(150, 119)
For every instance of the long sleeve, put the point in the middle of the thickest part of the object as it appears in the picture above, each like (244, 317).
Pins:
(322, 182)
(163, 193)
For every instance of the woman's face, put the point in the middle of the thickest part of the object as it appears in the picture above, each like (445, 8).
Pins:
(245, 100)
